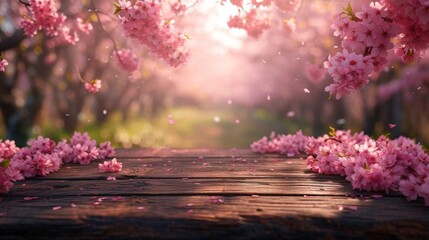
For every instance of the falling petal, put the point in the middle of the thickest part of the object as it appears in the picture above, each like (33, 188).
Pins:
(56, 208)
(30, 198)
(354, 208)
(341, 121)
(291, 114)
(391, 125)
(118, 198)
(306, 90)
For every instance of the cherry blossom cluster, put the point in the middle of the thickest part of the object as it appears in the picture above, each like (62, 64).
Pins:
(290, 144)
(44, 16)
(111, 166)
(369, 164)
(251, 19)
(93, 86)
(413, 20)
(349, 71)
(412, 79)
(7, 173)
(43, 156)
(251, 22)
(142, 20)
(3, 64)
(127, 60)
(83, 150)
(367, 37)
(84, 26)
(178, 7)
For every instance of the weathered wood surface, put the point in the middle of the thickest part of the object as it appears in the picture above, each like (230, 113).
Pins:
(204, 194)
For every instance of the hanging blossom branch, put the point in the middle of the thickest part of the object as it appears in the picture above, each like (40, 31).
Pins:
(368, 36)
(125, 57)
(44, 16)
(249, 17)
(179, 8)
(26, 4)
(144, 22)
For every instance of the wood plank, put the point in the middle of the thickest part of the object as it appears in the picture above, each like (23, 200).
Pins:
(184, 152)
(167, 194)
(195, 217)
(305, 185)
(191, 167)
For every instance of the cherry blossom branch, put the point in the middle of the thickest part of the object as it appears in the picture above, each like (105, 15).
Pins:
(104, 30)
(26, 4)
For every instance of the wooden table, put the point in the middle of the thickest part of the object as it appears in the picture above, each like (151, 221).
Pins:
(201, 193)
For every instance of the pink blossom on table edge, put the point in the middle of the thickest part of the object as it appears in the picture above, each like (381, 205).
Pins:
(43, 156)
(369, 164)
(111, 166)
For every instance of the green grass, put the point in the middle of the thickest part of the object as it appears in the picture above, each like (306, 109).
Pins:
(193, 127)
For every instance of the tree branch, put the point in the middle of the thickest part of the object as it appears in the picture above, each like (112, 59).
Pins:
(12, 41)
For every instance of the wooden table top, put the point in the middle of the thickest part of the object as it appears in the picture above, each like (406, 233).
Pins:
(204, 194)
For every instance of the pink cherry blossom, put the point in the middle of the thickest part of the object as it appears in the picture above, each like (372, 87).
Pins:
(178, 7)
(110, 166)
(289, 25)
(350, 71)
(44, 16)
(127, 60)
(144, 22)
(43, 156)
(85, 27)
(251, 22)
(369, 164)
(93, 86)
(370, 32)
(106, 150)
(3, 64)
(287, 6)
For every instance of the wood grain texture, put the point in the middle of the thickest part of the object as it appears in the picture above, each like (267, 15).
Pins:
(200, 152)
(180, 167)
(204, 194)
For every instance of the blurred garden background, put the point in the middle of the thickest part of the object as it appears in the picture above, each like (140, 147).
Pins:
(234, 89)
